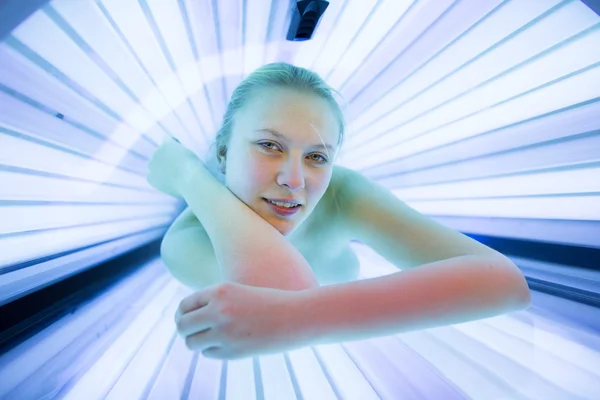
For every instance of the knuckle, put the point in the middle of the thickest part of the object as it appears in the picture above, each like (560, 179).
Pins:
(208, 353)
(223, 288)
(188, 343)
(224, 309)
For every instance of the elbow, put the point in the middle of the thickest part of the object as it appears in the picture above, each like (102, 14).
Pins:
(523, 297)
(515, 288)
(507, 287)
(521, 291)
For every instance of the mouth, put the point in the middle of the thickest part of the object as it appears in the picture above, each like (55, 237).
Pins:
(283, 211)
(284, 201)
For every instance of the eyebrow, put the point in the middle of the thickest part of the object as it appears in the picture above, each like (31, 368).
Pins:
(282, 136)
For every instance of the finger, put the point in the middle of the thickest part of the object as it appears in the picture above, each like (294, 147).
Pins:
(201, 341)
(218, 353)
(194, 322)
(194, 301)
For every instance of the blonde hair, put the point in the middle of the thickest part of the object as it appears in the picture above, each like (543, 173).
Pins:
(270, 75)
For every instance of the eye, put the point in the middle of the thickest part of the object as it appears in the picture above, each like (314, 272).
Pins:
(267, 143)
(322, 160)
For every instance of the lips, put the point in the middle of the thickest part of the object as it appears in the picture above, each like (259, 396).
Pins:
(283, 211)
(284, 201)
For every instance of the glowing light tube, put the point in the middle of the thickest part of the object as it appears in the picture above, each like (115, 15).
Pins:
(482, 115)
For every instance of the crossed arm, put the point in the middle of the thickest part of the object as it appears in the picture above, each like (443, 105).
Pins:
(452, 278)
(270, 300)
(249, 250)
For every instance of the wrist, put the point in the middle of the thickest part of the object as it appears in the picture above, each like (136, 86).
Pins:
(188, 171)
(303, 307)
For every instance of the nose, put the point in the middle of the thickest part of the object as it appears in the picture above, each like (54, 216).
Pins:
(291, 175)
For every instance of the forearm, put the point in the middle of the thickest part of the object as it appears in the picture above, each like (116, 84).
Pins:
(248, 249)
(446, 292)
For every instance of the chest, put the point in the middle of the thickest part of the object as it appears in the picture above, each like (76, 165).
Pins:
(328, 252)
(324, 240)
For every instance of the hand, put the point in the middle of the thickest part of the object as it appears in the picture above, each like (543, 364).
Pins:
(230, 321)
(171, 166)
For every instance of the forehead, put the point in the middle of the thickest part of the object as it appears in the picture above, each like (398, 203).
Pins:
(291, 112)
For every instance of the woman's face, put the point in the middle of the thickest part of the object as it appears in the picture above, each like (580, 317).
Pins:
(276, 152)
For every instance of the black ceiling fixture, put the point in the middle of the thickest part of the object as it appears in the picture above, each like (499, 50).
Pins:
(305, 18)
(593, 4)
(14, 12)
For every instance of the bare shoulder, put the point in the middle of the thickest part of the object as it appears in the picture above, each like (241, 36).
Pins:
(327, 248)
(341, 179)
(333, 199)
(341, 174)
(186, 219)
(329, 214)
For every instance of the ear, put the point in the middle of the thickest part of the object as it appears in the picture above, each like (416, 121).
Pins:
(222, 164)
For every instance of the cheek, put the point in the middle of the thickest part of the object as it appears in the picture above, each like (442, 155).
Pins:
(317, 186)
(257, 170)
(252, 175)
(322, 186)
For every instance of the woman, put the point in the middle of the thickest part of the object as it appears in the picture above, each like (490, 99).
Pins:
(258, 262)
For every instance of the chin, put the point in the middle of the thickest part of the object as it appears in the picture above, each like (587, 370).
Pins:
(286, 229)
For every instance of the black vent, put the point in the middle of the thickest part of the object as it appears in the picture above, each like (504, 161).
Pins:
(305, 17)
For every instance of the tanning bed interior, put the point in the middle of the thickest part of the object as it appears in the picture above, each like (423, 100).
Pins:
(482, 114)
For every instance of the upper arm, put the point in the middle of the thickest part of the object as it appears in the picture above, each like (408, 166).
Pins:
(184, 220)
(400, 234)
(188, 253)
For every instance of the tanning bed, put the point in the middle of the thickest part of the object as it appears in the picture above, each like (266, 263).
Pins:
(482, 114)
